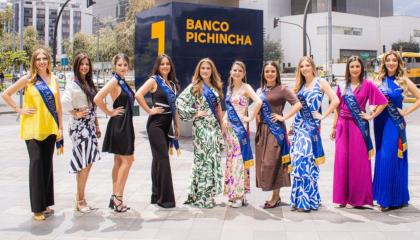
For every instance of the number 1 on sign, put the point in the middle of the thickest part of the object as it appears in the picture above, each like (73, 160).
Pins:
(158, 32)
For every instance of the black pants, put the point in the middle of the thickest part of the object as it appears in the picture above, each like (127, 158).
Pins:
(162, 189)
(41, 180)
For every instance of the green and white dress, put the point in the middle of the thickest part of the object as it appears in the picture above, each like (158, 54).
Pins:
(206, 177)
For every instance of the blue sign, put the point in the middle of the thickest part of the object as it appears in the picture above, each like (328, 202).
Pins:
(189, 32)
(64, 61)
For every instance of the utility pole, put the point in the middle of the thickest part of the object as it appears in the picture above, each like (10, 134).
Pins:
(55, 34)
(21, 15)
(305, 13)
(329, 37)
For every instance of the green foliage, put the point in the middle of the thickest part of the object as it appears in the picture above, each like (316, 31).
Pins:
(12, 59)
(8, 42)
(6, 20)
(410, 46)
(81, 43)
(272, 51)
(30, 40)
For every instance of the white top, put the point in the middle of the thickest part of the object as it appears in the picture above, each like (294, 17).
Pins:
(73, 97)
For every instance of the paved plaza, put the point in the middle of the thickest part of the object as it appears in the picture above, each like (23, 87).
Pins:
(146, 221)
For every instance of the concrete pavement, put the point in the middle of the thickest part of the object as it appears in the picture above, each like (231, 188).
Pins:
(146, 221)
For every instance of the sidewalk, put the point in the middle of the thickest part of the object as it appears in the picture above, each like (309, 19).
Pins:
(146, 221)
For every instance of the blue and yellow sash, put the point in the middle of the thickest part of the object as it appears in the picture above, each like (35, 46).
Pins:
(275, 129)
(211, 100)
(170, 98)
(317, 148)
(241, 133)
(125, 87)
(49, 100)
(361, 123)
(397, 119)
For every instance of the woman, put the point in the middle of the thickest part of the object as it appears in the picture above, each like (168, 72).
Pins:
(353, 145)
(161, 126)
(390, 182)
(239, 153)
(41, 127)
(200, 102)
(119, 135)
(271, 143)
(83, 127)
(307, 151)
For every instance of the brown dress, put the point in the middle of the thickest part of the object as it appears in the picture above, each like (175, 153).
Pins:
(270, 172)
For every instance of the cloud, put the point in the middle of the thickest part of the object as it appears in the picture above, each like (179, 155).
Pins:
(408, 8)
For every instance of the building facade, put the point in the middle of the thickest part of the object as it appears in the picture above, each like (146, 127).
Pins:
(42, 14)
(357, 28)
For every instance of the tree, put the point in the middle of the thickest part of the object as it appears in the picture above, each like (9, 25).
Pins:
(6, 19)
(125, 30)
(81, 43)
(8, 42)
(10, 59)
(410, 46)
(272, 51)
(30, 40)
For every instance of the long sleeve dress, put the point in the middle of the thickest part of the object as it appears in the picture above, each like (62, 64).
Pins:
(352, 167)
(390, 181)
(206, 176)
(305, 171)
(82, 131)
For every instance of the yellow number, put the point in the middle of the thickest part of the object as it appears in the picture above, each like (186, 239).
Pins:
(158, 32)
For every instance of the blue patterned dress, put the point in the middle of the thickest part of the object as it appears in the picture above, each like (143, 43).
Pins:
(390, 182)
(305, 172)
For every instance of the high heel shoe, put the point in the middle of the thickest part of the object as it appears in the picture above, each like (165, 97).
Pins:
(39, 217)
(111, 202)
(81, 206)
(119, 207)
(268, 205)
(240, 202)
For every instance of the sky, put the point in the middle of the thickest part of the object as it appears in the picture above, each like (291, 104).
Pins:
(407, 7)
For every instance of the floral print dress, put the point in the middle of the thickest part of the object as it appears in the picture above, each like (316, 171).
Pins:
(237, 181)
(206, 176)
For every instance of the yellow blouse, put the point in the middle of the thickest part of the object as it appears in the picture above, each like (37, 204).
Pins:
(41, 124)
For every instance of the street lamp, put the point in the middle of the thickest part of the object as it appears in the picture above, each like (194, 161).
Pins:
(276, 23)
(305, 13)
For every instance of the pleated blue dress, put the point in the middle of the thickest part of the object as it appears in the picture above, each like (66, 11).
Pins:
(390, 182)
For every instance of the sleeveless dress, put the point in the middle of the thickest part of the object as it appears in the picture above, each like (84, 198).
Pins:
(305, 193)
(158, 128)
(237, 181)
(390, 181)
(119, 136)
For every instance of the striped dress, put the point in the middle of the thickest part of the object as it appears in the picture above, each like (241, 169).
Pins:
(82, 131)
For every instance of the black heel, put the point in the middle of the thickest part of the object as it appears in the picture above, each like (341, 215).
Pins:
(119, 207)
(111, 202)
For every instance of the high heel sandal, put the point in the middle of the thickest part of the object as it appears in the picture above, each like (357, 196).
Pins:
(81, 206)
(39, 216)
(267, 204)
(119, 207)
(111, 202)
(240, 202)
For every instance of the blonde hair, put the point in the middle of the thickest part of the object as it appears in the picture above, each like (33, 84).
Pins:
(33, 69)
(300, 79)
(230, 79)
(215, 80)
(400, 74)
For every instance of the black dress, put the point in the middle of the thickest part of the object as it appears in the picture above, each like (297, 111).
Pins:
(158, 128)
(119, 136)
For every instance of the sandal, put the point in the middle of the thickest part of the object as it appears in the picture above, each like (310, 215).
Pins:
(81, 206)
(268, 205)
(39, 217)
(119, 207)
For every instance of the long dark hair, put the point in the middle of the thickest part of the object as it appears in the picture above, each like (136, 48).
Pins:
(347, 75)
(263, 82)
(172, 73)
(86, 83)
